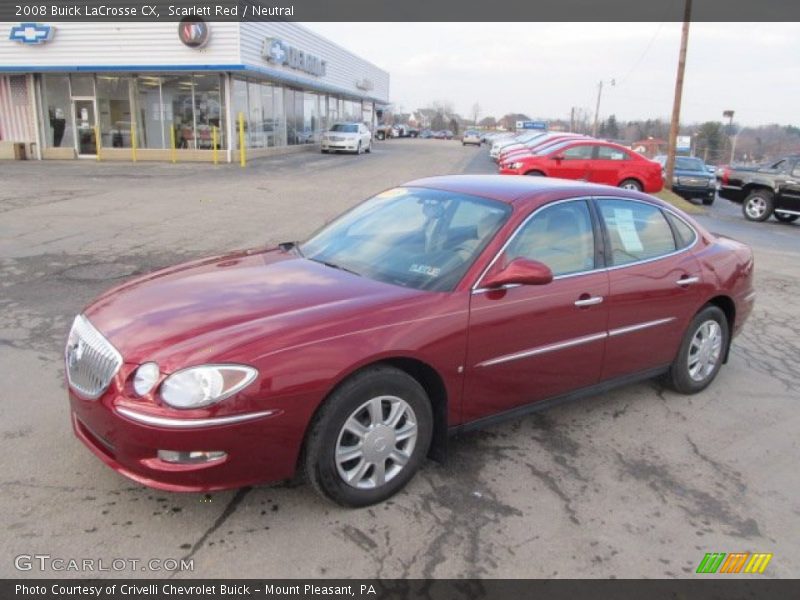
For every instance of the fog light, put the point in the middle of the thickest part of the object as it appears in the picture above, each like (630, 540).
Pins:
(190, 458)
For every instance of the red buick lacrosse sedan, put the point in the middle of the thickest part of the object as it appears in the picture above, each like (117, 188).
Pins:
(429, 309)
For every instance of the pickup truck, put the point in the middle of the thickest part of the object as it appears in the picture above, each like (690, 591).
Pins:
(773, 189)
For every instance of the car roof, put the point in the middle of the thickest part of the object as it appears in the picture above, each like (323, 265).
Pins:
(520, 189)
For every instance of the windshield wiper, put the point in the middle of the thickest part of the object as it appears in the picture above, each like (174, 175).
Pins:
(335, 266)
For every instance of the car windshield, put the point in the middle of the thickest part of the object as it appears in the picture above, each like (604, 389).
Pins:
(689, 164)
(414, 237)
(345, 128)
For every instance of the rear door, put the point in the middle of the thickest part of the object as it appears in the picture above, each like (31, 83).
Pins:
(607, 165)
(653, 285)
(789, 197)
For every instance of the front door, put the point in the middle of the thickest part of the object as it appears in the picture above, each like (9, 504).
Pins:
(573, 163)
(531, 342)
(85, 126)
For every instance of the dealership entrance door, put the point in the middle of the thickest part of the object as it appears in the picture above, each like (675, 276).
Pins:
(85, 126)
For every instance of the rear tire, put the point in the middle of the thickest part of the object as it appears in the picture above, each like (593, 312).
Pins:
(357, 429)
(631, 184)
(708, 201)
(368, 149)
(758, 205)
(358, 150)
(701, 353)
(786, 218)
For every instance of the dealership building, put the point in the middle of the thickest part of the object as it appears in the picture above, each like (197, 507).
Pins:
(189, 91)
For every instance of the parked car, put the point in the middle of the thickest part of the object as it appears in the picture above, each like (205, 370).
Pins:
(413, 132)
(501, 144)
(349, 137)
(591, 160)
(426, 134)
(440, 135)
(691, 179)
(537, 144)
(773, 189)
(430, 309)
(471, 137)
(383, 132)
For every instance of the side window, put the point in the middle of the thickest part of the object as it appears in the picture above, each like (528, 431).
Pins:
(578, 153)
(637, 231)
(560, 236)
(685, 235)
(609, 153)
(779, 166)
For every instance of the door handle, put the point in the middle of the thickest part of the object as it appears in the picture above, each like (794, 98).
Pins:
(590, 301)
(686, 280)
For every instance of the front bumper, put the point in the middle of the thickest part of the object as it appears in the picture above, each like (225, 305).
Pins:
(257, 450)
(694, 192)
(352, 147)
(508, 171)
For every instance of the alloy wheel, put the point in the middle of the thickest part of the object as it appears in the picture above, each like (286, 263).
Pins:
(756, 207)
(705, 350)
(376, 442)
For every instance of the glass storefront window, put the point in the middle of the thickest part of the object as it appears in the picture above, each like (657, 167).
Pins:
(176, 95)
(257, 137)
(82, 85)
(267, 121)
(57, 105)
(148, 112)
(209, 108)
(114, 111)
(279, 116)
(239, 101)
(310, 133)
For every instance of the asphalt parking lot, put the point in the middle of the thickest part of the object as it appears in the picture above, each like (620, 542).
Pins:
(638, 482)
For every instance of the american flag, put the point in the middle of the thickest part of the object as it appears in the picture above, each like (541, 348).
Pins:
(15, 109)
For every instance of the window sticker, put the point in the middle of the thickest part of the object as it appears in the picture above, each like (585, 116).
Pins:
(623, 217)
(425, 270)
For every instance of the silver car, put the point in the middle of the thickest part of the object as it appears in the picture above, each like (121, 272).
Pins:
(471, 137)
(348, 137)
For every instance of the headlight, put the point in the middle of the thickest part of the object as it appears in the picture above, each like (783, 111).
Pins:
(514, 165)
(676, 180)
(712, 182)
(145, 378)
(196, 387)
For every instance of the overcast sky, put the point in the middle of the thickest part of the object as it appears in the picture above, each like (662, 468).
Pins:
(543, 69)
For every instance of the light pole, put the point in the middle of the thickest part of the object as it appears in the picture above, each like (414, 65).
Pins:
(728, 114)
(597, 107)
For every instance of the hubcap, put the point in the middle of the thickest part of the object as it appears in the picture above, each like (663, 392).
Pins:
(705, 350)
(756, 207)
(376, 442)
(630, 186)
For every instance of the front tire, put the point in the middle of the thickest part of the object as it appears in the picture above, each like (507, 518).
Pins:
(368, 149)
(708, 201)
(369, 437)
(535, 173)
(758, 205)
(786, 218)
(701, 353)
(631, 184)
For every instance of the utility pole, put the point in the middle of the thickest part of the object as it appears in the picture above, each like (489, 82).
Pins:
(597, 108)
(572, 120)
(676, 105)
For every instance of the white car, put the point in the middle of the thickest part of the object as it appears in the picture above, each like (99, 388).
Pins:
(349, 137)
(471, 137)
(523, 138)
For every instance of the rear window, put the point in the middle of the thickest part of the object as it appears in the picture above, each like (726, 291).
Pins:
(684, 235)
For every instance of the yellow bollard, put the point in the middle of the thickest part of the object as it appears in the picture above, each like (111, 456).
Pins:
(242, 157)
(133, 141)
(97, 142)
(214, 143)
(172, 141)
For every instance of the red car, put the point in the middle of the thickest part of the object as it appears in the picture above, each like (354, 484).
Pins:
(429, 309)
(590, 160)
(538, 144)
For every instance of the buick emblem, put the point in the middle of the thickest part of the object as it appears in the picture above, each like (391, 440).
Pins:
(193, 32)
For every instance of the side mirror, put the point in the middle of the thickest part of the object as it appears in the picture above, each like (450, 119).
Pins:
(520, 271)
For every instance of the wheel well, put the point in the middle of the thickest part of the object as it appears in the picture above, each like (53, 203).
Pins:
(433, 385)
(636, 179)
(535, 171)
(726, 305)
(752, 187)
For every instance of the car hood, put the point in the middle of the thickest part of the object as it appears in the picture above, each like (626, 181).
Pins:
(206, 310)
(351, 134)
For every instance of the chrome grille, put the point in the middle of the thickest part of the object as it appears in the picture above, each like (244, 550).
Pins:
(91, 360)
(694, 181)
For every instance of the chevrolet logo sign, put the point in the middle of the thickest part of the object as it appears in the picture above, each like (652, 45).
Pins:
(31, 33)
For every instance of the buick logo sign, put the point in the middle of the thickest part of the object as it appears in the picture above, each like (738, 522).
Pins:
(280, 53)
(193, 32)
